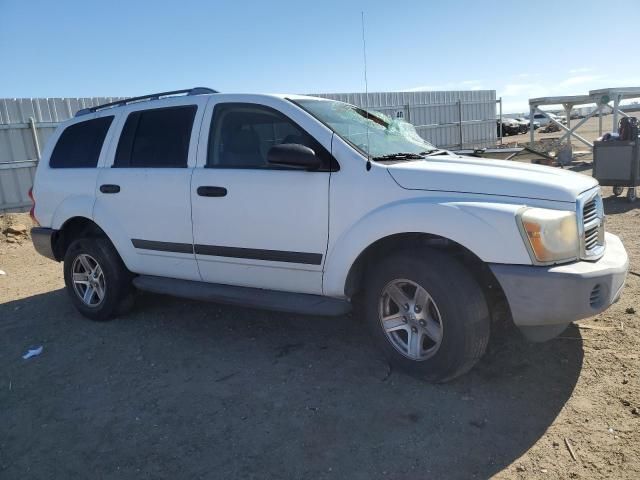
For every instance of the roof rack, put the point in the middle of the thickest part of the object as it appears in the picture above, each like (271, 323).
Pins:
(153, 96)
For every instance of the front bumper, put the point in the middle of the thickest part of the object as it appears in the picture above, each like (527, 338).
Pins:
(556, 295)
(42, 239)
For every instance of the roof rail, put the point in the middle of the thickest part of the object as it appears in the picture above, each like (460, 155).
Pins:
(152, 96)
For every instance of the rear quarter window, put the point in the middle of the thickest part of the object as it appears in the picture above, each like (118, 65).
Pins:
(80, 144)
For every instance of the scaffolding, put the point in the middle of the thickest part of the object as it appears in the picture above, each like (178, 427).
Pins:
(601, 98)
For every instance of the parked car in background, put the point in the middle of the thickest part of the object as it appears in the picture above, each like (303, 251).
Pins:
(542, 120)
(509, 127)
(526, 124)
(313, 206)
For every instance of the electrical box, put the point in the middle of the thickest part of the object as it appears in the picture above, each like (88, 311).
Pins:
(616, 163)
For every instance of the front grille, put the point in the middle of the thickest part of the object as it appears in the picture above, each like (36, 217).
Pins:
(591, 225)
(591, 238)
(590, 211)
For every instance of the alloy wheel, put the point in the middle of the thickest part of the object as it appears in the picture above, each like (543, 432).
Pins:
(410, 319)
(88, 280)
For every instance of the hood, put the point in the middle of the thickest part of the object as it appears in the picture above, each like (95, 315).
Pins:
(453, 173)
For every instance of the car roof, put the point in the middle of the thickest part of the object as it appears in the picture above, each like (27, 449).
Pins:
(161, 98)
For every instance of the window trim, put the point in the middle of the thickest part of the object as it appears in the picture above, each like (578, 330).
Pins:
(330, 165)
(139, 113)
(74, 124)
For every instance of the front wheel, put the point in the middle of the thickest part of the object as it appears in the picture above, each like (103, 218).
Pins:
(427, 314)
(617, 190)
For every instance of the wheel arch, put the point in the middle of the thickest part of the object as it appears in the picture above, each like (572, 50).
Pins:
(388, 245)
(72, 229)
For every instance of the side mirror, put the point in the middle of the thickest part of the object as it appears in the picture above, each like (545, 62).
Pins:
(293, 155)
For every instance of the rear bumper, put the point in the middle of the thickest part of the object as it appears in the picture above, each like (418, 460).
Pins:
(42, 239)
(556, 295)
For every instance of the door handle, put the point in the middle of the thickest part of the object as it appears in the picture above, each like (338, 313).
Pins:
(206, 191)
(109, 188)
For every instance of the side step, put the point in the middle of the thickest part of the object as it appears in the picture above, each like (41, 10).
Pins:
(244, 296)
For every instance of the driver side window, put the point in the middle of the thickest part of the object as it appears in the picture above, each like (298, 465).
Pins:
(242, 134)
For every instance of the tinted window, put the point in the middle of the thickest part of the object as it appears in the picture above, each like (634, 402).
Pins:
(242, 134)
(80, 144)
(156, 138)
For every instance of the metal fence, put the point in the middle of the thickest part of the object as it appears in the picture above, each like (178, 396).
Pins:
(456, 119)
(25, 126)
(452, 119)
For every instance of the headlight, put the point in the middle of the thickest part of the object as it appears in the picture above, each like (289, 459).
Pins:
(552, 235)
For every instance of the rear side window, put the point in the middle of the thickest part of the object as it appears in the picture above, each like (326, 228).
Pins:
(80, 144)
(156, 138)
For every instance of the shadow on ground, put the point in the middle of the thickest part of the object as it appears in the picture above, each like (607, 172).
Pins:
(614, 205)
(181, 389)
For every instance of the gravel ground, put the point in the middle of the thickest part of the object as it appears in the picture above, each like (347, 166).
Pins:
(180, 389)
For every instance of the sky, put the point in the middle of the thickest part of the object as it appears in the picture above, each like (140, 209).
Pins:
(68, 48)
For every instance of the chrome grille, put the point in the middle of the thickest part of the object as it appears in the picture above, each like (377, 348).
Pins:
(591, 238)
(591, 225)
(590, 211)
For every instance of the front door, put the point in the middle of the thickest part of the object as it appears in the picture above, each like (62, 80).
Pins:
(256, 224)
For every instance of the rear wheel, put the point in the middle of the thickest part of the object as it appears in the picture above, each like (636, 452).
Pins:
(427, 314)
(96, 279)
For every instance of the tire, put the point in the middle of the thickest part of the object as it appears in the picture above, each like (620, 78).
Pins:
(457, 317)
(617, 190)
(631, 194)
(111, 283)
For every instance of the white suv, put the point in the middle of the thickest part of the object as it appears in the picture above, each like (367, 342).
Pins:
(307, 205)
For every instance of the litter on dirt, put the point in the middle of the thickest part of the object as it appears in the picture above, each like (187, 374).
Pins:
(570, 448)
(597, 327)
(33, 352)
(2, 272)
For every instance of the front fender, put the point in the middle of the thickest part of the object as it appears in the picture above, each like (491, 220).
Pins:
(487, 229)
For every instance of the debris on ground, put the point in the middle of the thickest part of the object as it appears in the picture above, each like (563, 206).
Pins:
(13, 227)
(549, 128)
(33, 352)
(597, 327)
(2, 272)
(570, 448)
(630, 310)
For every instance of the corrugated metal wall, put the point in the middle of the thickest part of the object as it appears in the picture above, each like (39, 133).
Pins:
(436, 115)
(22, 120)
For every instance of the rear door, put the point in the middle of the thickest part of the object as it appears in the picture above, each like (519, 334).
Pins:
(255, 224)
(143, 191)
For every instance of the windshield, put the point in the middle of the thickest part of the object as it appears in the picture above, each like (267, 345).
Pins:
(386, 137)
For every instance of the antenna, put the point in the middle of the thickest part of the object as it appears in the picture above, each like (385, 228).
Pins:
(366, 89)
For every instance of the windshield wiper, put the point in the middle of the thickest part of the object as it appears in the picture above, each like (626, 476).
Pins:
(436, 151)
(399, 156)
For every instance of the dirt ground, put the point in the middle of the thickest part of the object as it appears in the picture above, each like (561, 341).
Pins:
(180, 389)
